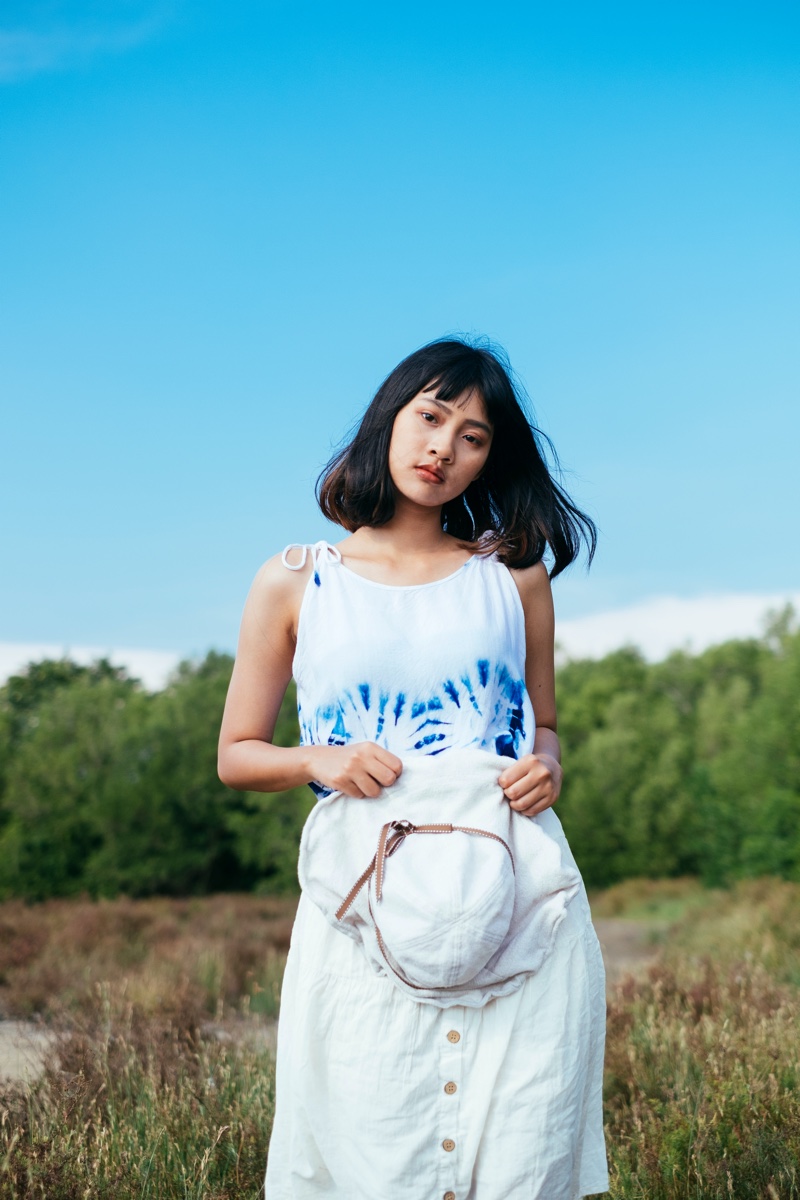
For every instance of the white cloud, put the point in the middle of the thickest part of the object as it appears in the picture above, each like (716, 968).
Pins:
(153, 667)
(656, 626)
(29, 51)
(665, 623)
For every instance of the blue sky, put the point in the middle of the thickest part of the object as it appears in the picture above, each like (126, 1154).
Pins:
(220, 227)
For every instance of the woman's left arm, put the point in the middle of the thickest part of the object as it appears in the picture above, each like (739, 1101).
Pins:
(533, 783)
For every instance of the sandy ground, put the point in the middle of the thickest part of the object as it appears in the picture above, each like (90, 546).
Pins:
(24, 1044)
(626, 945)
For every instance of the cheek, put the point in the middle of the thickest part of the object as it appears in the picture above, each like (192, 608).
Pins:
(404, 437)
(479, 466)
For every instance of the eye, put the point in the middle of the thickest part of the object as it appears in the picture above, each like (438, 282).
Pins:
(473, 439)
(428, 416)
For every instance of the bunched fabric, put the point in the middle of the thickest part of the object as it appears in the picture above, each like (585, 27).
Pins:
(463, 917)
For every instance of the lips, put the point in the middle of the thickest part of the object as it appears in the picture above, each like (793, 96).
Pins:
(430, 474)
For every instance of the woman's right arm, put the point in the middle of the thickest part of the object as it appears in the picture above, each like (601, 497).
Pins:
(247, 758)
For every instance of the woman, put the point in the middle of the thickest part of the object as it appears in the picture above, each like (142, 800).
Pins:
(429, 628)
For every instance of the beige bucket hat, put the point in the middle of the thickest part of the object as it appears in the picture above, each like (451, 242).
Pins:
(450, 894)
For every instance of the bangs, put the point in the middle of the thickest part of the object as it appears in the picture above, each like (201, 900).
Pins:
(459, 379)
(468, 375)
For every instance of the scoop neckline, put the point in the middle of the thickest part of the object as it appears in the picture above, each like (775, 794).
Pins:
(407, 587)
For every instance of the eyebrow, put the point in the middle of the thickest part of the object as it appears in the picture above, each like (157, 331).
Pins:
(470, 420)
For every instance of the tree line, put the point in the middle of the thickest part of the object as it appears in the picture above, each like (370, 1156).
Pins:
(687, 766)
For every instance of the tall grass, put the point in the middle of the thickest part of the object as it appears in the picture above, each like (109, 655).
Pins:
(134, 1107)
(703, 1086)
(210, 951)
(141, 1098)
(703, 1055)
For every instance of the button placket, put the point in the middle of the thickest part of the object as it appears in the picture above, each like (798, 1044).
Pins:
(450, 1059)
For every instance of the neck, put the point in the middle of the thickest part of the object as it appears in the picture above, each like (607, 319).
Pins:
(412, 530)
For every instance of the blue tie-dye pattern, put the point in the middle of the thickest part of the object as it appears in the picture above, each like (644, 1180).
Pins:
(465, 679)
(339, 735)
(514, 690)
(504, 744)
(427, 741)
(316, 578)
(505, 697)
(384, 700)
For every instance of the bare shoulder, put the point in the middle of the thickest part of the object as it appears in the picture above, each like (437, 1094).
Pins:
(533, 585)
(277, 591)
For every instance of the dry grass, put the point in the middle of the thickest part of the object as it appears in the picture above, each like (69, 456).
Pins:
(757, 921)
(652, 900)
(703, 1086)
(703, 1057)
(133, 1106)
(151, 954)
(161, 1082)
(140, 1099)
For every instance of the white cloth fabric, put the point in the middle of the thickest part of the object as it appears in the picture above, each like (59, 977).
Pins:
(440, 890)
(380, 1097)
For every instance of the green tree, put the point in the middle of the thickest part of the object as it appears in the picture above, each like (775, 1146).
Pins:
(59, 766)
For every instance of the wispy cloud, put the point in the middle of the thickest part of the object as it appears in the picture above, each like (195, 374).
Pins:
(153, 667)
(665, 623)
(656, 626)
(37, 47)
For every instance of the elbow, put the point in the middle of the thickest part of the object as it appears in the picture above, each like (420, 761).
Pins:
(225, 768)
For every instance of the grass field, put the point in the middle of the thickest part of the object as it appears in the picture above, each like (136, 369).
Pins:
(160, 1083)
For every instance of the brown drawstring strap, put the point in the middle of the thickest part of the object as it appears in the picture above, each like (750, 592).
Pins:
(391, 838)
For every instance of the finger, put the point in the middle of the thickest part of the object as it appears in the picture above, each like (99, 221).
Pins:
(528, 783)
(384, 774)
(540, 807)
(512, 774)
(351, 792)
(537, 774)
(536, 802)
(390, 760)
(519, 789)
(528, 798)
(369, 786)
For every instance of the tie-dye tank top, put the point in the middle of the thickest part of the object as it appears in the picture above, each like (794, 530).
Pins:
(420, 668)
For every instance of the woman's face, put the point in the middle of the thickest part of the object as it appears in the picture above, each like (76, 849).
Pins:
(438, 447)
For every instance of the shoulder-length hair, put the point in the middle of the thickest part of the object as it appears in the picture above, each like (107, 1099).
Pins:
(514, 509)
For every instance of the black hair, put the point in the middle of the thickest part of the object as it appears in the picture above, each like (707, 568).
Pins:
(515, 508)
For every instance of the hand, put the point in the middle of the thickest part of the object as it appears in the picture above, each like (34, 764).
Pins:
(360, 770)
(532, 783)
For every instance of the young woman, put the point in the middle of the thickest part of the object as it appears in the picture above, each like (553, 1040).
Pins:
(428, 628)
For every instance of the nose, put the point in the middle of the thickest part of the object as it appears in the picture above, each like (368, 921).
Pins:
(441, 446)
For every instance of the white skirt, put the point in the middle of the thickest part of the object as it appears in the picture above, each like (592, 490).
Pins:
(380, 1097)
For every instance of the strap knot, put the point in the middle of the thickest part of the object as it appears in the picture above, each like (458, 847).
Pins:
(318, 550)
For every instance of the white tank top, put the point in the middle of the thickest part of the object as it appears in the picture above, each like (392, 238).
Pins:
(420, 668)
